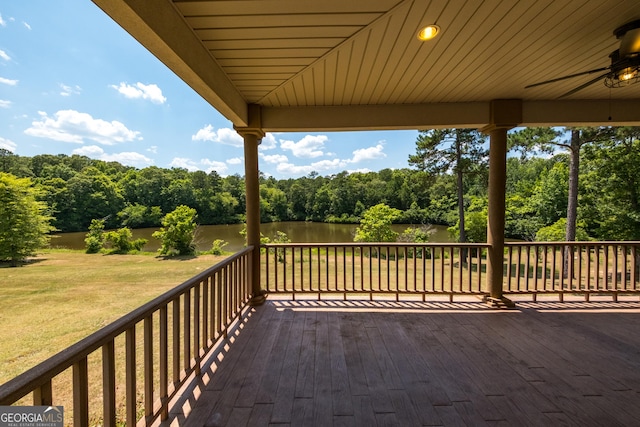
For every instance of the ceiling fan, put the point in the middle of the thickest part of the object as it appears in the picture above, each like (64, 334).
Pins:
(625, 62)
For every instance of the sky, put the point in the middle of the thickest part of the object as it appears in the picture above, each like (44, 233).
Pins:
(73, 82)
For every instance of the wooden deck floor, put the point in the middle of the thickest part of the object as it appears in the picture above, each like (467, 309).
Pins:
(430, 364)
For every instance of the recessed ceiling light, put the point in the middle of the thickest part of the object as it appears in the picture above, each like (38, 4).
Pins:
(428, 32)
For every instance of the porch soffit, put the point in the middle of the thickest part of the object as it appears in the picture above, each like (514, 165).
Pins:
(337, 65)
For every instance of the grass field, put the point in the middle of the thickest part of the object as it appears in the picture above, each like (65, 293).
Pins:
(60, 297)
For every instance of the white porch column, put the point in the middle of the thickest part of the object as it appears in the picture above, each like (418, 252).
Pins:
(505, 114)
(252, 137)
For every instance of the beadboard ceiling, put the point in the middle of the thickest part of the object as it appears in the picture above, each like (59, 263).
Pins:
(357, 60)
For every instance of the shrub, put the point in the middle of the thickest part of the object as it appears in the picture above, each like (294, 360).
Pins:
(177, 234)
(217, 247)
(94, 239)
(121, 241)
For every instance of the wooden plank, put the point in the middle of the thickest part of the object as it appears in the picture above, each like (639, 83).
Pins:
(449, 416)
(201, 414)
(340, 390)
(323, 401)
(405, 409)
(239, 417)
(363, 411)
(301, 413)
(355, 368)
(305, 370)
(260, 415)
(283, 408)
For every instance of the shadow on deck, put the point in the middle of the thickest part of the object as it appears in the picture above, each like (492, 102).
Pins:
(425, 363)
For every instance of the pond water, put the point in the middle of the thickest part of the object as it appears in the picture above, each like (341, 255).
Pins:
(298, 232)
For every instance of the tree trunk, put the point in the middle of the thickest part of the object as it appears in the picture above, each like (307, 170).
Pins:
(572, 203)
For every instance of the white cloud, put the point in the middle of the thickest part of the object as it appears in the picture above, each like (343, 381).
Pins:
(69, 90)
(268, 142)
(361, 170)
(26, 25)
(223, 136)
(4, 55)
(308, 147)
(8, 144)
(322, 165)
(149, 92)
(181, 162)
(153, 149)
(213, 165)
(204, 164)
(73, 126)
(234, 161)
(275, 158)
(3, 23)
(9, 82)
(127, 158)
(369, 153)
(289, 168)
(4, 103)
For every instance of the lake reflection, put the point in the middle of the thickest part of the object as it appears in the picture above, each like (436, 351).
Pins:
(298, 232)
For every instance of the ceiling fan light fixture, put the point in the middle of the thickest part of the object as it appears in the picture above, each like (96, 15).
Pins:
(428, 33)
(623, 77)
(628, 74)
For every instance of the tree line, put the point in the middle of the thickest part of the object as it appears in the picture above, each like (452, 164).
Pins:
(451, 191)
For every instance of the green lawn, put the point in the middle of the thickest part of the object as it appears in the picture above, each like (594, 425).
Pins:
(60, 297)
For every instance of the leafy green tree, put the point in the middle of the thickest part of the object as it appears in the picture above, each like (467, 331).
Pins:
(610, 194)
(476, 221)
(94, 240)
(375, 225)
(556, 232)
(91, 194)
(548, 140)
(549, 198)
(273, 204)
(25, 223)
(461, 151)
(177, 234)
(139, 216)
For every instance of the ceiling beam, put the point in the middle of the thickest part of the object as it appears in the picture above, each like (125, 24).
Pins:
(462, 115)
(375, 117)
(604, 112)
(159, 27)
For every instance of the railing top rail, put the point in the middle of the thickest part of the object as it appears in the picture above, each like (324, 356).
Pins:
(375, 244)
(24, 383)
(576, 243)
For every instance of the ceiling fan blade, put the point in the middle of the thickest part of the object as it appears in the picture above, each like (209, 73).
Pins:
(582, 86)
(597, 70)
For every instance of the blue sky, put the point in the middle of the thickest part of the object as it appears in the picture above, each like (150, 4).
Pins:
(73, 82)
